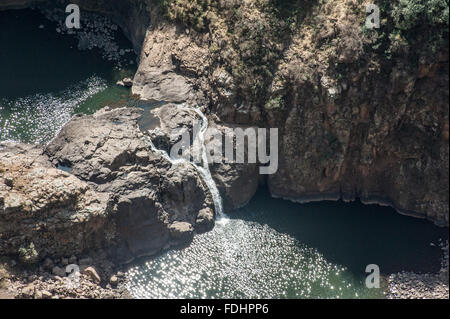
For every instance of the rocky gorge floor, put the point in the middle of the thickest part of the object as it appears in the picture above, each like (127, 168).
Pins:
(50, 281)
(127, 203)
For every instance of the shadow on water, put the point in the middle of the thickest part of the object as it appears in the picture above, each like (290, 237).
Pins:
(353, 234)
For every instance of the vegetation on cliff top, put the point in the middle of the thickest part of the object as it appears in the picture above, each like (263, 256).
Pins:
(251, 39)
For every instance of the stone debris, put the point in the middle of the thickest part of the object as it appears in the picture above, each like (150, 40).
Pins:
(114, 280)
(126, 82)
(92, 274)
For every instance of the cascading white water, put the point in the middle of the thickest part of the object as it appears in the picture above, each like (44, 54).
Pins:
(203, 169)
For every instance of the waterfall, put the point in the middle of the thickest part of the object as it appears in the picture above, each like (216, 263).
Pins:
(203, 169)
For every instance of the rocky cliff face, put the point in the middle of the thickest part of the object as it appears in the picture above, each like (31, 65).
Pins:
(45, 210)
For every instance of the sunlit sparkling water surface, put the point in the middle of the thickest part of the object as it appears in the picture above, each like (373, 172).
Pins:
(242, 260)
(38, 117)
(277, 249)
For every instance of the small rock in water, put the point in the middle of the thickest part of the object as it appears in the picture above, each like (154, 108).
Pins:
(114, 280)
(127, 82)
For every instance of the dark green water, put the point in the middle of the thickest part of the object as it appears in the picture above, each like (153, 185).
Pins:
(269, 249)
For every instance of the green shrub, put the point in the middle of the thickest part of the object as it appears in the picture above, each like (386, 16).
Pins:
(193, 13)
(408, 14)
(276, 103)
(28, 255)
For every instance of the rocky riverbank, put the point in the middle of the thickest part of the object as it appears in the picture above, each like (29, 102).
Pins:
(98, 188)
(408, 285)
(97, 185)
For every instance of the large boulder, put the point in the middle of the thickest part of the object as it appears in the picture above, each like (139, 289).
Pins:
(109, 150)
(98, 184)
(46, 210)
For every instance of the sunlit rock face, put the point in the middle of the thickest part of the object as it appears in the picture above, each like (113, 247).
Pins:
(46, 208)
(378, 134)
(98, 185)
(150, 194)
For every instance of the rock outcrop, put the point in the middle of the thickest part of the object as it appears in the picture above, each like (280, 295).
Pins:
(46, 210)
(97, 185)
(158, 76)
